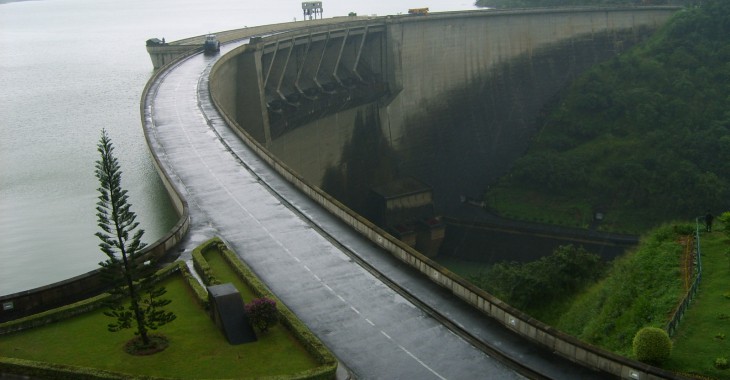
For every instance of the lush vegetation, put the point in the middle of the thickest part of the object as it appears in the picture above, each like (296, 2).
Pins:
(563, 3)
(643, 138)
(642, 289)
(538, 284)
(601, 303)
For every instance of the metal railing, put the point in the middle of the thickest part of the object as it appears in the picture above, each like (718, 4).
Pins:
(692, 291)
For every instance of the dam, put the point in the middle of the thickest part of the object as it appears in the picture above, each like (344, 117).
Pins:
(446, 102)
(246, 141)
(450, 100)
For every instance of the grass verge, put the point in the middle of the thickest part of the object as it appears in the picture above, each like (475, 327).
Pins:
(81, 348)
(704, 334)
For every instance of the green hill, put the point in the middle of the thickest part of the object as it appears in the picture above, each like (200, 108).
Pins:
(643, 138)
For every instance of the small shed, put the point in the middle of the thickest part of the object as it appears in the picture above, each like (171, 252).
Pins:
(404, 207)
(401, 201)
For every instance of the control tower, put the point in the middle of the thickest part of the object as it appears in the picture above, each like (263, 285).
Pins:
(312, 8)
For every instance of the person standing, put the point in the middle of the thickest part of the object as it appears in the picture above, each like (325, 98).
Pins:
(708, 221)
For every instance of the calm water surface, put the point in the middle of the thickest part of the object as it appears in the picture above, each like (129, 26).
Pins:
(69, 68)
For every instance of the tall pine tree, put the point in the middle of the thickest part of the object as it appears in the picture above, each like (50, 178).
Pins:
(131, 279)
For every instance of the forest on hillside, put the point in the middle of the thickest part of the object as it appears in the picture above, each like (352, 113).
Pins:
(646, 134)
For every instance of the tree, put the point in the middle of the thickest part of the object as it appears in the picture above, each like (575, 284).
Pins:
(129, 277)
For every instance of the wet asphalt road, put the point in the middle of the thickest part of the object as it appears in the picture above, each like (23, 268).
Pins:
(304, 254)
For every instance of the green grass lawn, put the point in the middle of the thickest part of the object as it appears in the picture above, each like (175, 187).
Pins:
(516, 203)
(699, 339)
(197, 347)
(520, 204)
(294, 357)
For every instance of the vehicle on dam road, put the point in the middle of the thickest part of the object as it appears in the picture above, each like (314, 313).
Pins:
(211, 44)
(418, 11)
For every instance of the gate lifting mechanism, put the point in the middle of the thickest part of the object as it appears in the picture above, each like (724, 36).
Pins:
(312, 8)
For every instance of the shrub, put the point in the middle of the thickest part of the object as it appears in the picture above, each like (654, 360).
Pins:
(721, 363)
(262, 313)
(724, 218)
(652, 345)
(547, 280)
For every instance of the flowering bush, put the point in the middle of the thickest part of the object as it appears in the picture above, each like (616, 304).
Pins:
(262, 313)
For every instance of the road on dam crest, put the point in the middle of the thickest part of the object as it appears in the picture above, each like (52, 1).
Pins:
(311, 260)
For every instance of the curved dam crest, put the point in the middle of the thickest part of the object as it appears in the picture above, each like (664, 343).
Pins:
(449, 99)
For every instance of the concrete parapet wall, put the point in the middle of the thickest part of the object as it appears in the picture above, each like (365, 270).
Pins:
(21, 304)
(167, 53)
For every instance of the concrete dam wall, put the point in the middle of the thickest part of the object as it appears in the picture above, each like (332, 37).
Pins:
(335, 125)
(450, 99)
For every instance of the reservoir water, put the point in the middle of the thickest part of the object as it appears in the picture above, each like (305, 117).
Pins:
(69, 68)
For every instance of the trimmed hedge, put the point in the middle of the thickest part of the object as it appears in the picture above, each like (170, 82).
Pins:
(287, 318)
(652, 345)
(201, 295)
(201, 265)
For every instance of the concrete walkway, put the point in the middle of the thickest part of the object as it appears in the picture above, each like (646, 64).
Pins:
(310, 259)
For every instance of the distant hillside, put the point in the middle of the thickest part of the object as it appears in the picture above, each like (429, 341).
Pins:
(562, 3)
(643, 138)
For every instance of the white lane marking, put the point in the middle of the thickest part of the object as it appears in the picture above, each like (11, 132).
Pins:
(421, 362)
(268, 232)
(370, 322)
